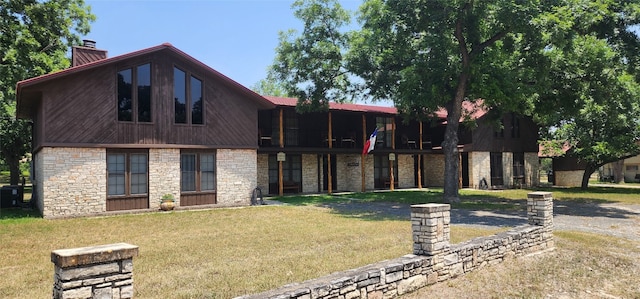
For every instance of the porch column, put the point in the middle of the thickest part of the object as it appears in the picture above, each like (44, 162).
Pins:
(364, 140)
(393, 147)
(420, 157)
(330, 142)
(281, 137)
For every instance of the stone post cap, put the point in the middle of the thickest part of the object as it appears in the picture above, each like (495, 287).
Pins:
(431, 207)
(539, 195)
(65, 258)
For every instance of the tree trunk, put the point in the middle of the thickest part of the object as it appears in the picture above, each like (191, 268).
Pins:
(618, 175)
(589, 170)
(450, 143)
(454, 112)
(14, 170)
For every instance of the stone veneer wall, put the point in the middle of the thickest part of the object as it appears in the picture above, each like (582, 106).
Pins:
(531, 169)
(263, 172)
(309, 173)
(433, 170)
(434, 259)
(70, 181)
(236, 176)
(507, 169)
(349, 177)
(571, 178)
(480, 167)
(369, 180)
(104, 272)
(164, 175)
(406, 171)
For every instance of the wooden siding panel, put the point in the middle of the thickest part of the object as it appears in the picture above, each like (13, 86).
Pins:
(484, 139)
(82, 108)
(127, 203)
(196, 199)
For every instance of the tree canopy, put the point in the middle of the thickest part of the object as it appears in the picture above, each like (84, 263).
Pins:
(564, 62)
(35, 39)
(431, 54)
(592, 99)
(311, 65)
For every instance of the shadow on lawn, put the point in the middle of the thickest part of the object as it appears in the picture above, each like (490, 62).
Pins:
(485, 209)
(10, 214)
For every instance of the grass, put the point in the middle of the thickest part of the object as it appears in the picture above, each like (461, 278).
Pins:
(583, 265)
(218, 253)
(224, 253)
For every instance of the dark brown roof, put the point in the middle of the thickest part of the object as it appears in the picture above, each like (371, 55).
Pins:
(22, 110)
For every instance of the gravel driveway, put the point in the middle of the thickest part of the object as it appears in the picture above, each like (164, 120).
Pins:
(618, 220)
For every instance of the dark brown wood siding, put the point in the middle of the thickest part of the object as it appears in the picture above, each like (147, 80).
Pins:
(195, 199)
(82, 109)
(127, 203)
(484, 138)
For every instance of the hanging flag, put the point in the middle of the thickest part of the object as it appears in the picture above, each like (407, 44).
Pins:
(368, 146)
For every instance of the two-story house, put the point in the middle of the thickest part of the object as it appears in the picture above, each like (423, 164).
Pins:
(118, 133)
(115, 134)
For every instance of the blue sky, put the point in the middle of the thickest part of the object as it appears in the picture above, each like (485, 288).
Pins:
(237, 38)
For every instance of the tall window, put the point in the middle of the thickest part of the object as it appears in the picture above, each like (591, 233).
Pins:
(499, 130)
(291, 169)
(197, 172)
(127, 173)
(136, 99)
(518, 166)
(187, 95)
(385, 131)
(381, 171)
(497, 173)
(515, 126)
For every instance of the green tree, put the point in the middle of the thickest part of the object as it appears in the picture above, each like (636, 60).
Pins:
(35, 38)
(593, 97)
(311, 65)
(431, 54)
(270, 86)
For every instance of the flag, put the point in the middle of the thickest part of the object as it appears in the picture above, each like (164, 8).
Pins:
(368, 146)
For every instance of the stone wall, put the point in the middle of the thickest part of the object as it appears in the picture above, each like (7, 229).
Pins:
(507, 169)
(570, 178)
(434, 259)
(406, 171)
(104, 272)
(309, 173)
(164, 175)
(349, 173)
(236, 176)
(531, 169)
(480, 167)
(369, 180)
(263, 172)
(70, 181)
(433, 170)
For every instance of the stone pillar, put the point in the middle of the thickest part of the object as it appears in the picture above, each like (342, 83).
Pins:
(540, 209)
(431, 231)
(104, 271)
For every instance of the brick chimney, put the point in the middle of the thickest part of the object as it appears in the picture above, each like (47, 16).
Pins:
(86, 53)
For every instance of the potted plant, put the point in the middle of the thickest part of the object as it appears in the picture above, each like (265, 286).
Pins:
(167, 202)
